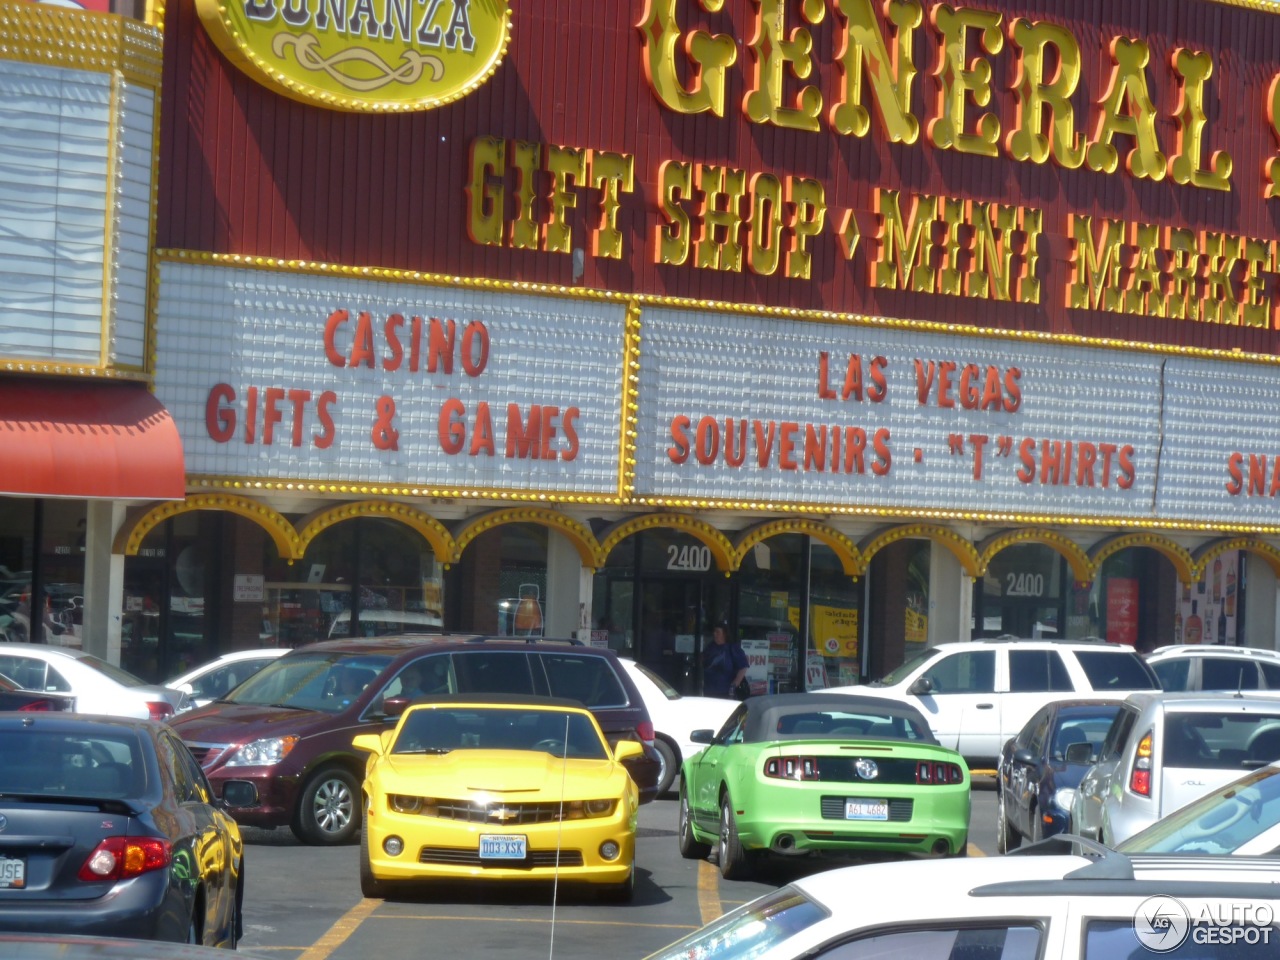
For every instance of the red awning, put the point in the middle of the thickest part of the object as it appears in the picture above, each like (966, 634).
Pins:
(109, 441)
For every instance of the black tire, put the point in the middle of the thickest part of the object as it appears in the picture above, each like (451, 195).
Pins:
(670, 768)
(1007, 836)
(328, 811)
(370, 886)
(690, 847)
(734, 863)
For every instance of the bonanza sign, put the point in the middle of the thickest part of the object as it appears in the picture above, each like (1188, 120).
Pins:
(363, 55)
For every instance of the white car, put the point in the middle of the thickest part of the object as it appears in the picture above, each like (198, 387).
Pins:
(1166, 749)
(1241, 819)
(978, 694)
(675, 717)
(97, 686)
(1191, 667)
(213, 680)
(1052, 906)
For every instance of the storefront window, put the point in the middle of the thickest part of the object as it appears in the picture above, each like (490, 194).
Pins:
(501, 584)
(58, 565)
(1021, 594)
(771, 592)
(834, 652)
(363, 577)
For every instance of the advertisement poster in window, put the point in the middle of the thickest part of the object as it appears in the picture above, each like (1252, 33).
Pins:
(1122, 610)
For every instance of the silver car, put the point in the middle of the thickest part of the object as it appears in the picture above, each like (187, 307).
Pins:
(1165, 750)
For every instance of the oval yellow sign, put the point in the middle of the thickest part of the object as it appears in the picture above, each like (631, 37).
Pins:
(363, 55)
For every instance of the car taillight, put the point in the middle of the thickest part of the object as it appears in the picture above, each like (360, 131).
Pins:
(159, 710)
(119, 858)
(938, 772)
(644, 731)
(1140, 776)
(37, 705)
(792, 768)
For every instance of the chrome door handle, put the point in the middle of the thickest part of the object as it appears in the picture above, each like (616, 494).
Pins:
(986, 706)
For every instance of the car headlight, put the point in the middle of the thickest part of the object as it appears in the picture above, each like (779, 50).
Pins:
(595, 808)
(403, 803)
(1064, 798)
(263, 753)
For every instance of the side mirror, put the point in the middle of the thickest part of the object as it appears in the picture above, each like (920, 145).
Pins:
(922, 687)
(703, 736)
(368, 741)
(1025, 757)
(627, 749)
(394, 706)
(1080, 753)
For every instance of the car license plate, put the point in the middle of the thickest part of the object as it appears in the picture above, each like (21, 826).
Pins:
(13, 873)
(502, 846)
(866, 809)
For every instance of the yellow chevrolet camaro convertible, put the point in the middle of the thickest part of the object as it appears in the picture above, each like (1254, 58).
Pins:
(497, 788)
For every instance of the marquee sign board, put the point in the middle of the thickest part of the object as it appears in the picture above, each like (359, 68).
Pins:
(362, 55)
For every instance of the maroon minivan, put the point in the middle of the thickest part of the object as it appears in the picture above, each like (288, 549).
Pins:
(277, 748)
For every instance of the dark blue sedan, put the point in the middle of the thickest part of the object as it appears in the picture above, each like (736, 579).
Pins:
(109, 827)
(1041, 767)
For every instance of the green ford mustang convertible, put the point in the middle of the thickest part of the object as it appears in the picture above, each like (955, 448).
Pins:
(805, 773)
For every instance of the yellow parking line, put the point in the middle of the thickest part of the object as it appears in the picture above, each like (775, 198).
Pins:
(708, 891)
(342, 928)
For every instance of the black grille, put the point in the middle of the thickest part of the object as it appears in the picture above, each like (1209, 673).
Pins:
(900, 810)
(205, 753)
(507, 814)
(842, 770)
(470, 857)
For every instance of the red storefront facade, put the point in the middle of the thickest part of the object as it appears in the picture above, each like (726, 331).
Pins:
(982, 214)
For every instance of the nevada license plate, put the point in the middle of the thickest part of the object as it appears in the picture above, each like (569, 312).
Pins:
(502, 846)
(13, 873)
(866, 809)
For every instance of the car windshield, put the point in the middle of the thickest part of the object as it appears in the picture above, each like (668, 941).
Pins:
(1218, 823)
(750, 930)
(105, 766)
(561, 733)
(328, 682)
(897, 674)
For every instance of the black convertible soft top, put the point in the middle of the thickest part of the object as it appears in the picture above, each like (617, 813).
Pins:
(832, 716)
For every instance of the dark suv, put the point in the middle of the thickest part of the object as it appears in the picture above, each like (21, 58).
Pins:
(278, 747)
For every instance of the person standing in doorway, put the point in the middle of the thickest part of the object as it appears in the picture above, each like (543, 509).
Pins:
(724, 664)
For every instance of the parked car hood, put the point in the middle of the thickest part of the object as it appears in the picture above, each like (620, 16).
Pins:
(242, 723)
(517, 775)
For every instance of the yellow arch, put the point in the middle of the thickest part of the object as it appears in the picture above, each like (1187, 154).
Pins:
(958, 545)
(130, 536)
(579, 535)
(431, 529)
(845, 549)
(1175, 553)
(1082, 568)
(1210, 551)
(721, 549)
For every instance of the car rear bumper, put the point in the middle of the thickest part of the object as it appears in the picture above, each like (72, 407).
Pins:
(144, 908)
(937, 824)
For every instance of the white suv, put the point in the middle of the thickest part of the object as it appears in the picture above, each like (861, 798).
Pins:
(1193, 667)
(978, 694)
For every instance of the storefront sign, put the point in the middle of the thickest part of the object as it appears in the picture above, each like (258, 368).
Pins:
(363, 55)
(1122, 610)
(248, 587)
(328, 379)
(827, 413)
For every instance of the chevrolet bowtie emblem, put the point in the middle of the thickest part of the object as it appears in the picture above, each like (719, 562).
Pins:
(503, 814)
